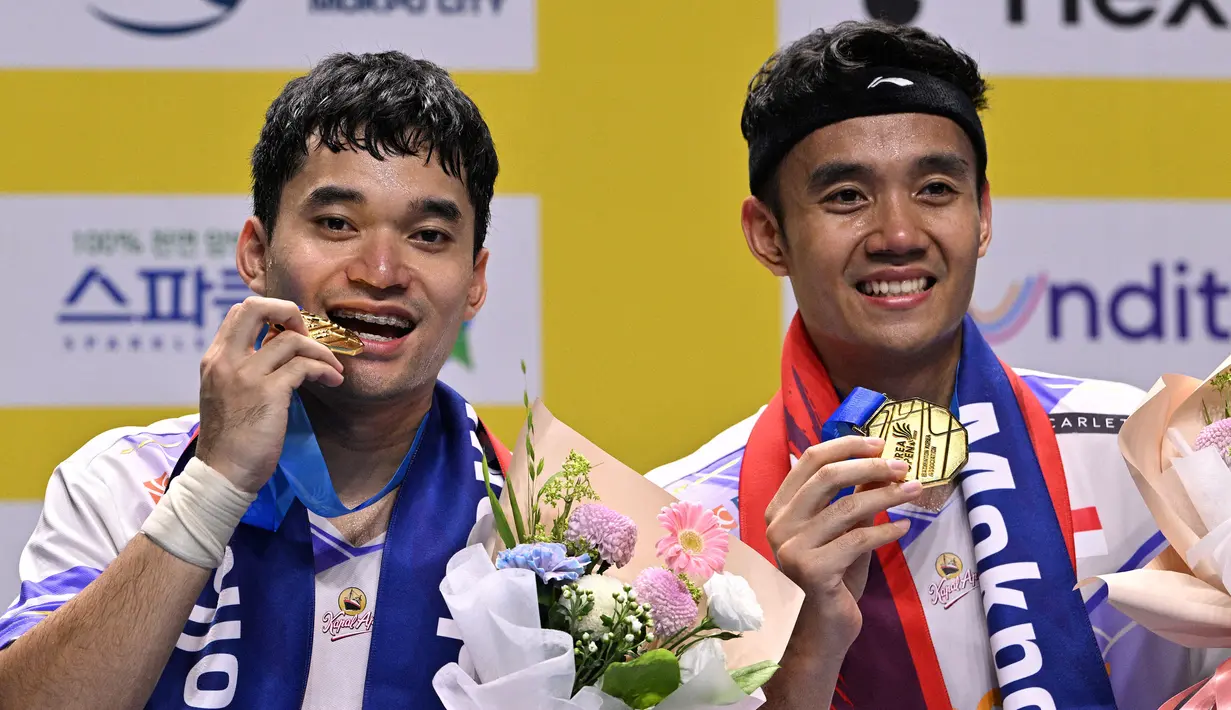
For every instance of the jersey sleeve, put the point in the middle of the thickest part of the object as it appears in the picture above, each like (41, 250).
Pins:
(95, 503)
(710, 475)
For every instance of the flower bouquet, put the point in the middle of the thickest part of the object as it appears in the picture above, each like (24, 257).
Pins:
(1178, 448)
(594, 588)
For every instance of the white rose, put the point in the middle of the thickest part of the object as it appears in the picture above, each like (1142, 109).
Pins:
(732, 603)
(699, 657)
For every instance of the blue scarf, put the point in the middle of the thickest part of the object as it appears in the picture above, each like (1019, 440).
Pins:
(249, 639)
(1040, 632)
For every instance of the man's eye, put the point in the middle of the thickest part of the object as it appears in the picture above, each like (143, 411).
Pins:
(937, 189)
(336, 224)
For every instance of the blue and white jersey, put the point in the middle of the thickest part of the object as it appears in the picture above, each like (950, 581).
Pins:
(97, 501)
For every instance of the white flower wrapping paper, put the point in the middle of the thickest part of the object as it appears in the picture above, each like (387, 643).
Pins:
(515, 664)
(509, 662)
(1181, 595)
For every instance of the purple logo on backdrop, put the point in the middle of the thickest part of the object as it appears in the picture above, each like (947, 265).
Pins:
(1171, 302)
(219, 11)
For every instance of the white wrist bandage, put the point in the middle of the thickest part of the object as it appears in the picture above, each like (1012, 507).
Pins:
(196, 518)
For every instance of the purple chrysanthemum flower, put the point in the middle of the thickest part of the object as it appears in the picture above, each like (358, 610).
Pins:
(671, 604)
(1217, 435)
(546, 559)
(614, 535)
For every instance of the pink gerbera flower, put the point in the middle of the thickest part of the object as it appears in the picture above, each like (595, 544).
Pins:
(695, 544)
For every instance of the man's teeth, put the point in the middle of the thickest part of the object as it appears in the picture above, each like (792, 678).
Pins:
(370, 318)
(893, 288)
(375, 338)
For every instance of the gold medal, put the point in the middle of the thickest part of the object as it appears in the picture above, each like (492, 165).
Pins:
(924, 435)
(333, 336)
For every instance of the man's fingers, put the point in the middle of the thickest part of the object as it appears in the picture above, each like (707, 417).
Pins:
(834, 559)
(286, 346)
(818, 491)
(852, 512)
(243, 323)
(301, 369)
(815, 458)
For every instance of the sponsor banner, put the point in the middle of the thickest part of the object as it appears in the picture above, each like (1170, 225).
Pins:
(118, 297)
(1112, 290)
(1185, 38)
(264, 34)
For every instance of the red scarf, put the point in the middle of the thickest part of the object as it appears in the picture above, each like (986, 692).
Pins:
(894, 647)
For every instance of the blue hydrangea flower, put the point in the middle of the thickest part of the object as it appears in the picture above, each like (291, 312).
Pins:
(546, 559)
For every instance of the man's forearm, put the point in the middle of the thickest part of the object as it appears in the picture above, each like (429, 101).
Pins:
(810, 665)
(804, 681)
(108, 645)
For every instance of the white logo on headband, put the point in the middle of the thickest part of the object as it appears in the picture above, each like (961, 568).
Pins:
(890, 80)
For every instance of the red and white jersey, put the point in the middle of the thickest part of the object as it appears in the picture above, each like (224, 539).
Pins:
(1113, 531)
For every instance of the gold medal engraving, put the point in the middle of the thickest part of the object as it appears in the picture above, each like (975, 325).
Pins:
(924, 435)
(330, 334)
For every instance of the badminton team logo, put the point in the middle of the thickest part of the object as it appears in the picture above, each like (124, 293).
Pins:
(1006, 319)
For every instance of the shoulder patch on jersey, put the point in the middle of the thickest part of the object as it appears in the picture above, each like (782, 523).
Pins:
(1087, 423)
(719, 449)
(1081, 405)
(141, 456)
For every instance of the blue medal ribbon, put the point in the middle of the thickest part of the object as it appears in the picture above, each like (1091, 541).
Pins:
(302, 473)
(853, 414)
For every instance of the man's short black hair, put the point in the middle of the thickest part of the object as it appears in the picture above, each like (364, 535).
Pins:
(387, 104)
(829, 61)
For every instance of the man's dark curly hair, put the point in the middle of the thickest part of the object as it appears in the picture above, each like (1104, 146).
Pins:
(387, 104)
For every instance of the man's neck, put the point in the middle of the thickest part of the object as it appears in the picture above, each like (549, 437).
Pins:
(364, 444)
(929, 375)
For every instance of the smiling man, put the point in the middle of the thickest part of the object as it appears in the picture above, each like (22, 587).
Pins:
(295, 558)
(869, 191)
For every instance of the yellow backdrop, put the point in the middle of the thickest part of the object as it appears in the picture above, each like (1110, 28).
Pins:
(658, 328)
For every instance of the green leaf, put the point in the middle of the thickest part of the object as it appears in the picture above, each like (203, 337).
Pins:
(523, 367)
(525, 398)
(644, 681)
(502, 523)
(522, 533)
(749, 678)
(540, 471)
(724, 636)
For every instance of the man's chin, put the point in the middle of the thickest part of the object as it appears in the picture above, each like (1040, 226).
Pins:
(908, 339)
(362, 387)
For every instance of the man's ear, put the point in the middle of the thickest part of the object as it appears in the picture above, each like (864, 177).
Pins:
(764, 235)
(985, 218)
(476, 296)
(251, 253)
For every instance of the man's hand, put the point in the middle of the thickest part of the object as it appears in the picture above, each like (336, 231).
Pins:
(245, 392)
(825, 548)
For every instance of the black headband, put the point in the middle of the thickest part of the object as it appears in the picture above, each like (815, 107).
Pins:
(878, 91)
